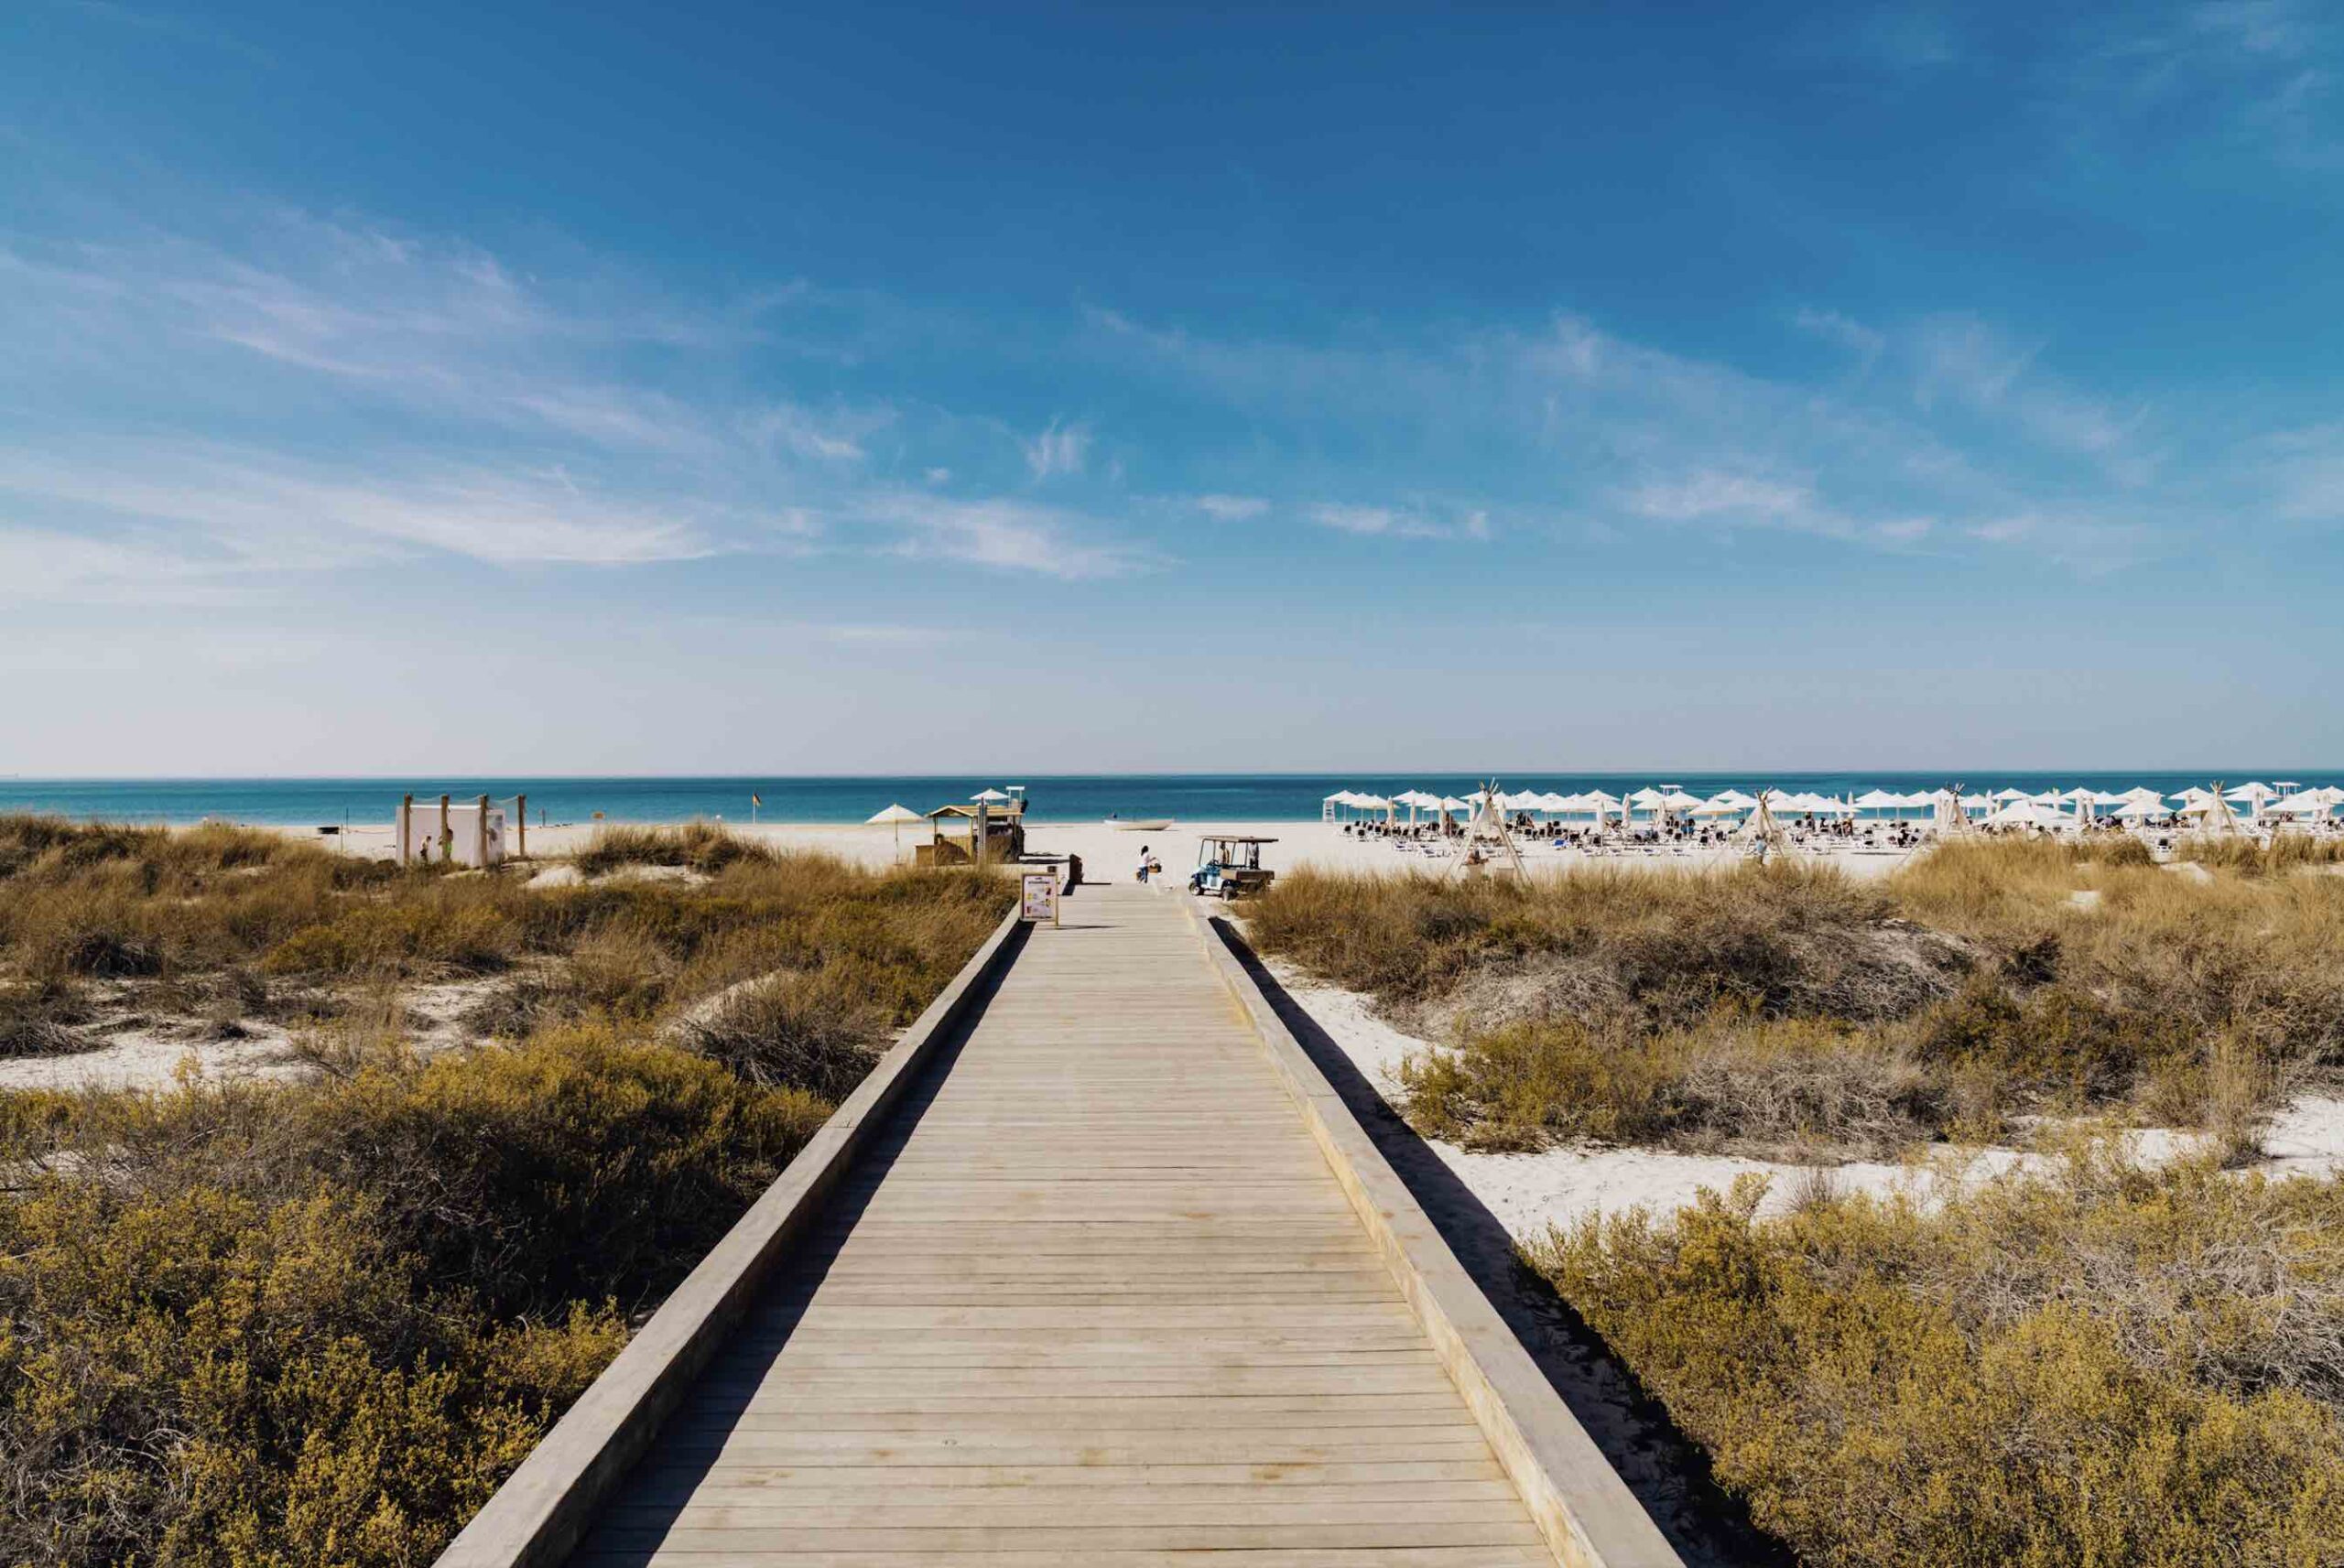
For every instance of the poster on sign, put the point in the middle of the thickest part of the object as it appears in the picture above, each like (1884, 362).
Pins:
(1041, 897)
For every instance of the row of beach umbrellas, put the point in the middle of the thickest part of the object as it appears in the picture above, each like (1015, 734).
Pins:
(2007, 808)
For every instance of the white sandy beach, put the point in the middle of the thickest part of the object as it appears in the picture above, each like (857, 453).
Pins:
(1114, 852)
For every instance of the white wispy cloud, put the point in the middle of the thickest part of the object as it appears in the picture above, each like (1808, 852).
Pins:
(1230, 508)
(1708, 495)
(213, 510)
(1864, 342)
(1613, 431)
(1399, 522)
(1005, 534)
(450, 402)
(1061, 450)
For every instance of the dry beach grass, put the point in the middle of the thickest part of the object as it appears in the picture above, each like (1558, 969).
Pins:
(2087, 1362)
(316, 1321)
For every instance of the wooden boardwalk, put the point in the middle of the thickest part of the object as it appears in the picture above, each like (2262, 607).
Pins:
(1095, 1301)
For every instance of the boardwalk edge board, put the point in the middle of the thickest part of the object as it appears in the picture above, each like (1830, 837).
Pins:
(539, 1513)
(1585, 1511)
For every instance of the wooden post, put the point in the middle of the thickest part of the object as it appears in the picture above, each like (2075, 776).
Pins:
(480, 836)
(521, 840)
(977, 836)
(406, 827)
(446, 832)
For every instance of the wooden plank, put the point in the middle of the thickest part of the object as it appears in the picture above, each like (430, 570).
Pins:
(767, 1556)
(1095, 1296)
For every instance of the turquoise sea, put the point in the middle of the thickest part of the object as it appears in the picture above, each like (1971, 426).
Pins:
(1081, 797)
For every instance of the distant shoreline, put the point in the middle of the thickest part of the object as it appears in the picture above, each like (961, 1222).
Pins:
(1058, 799)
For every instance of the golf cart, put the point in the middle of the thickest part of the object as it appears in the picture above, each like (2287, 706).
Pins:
(1229, 865)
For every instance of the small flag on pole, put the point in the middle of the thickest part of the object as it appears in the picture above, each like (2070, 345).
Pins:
(756, 800)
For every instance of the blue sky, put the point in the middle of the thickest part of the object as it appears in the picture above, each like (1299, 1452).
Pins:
(586, 387)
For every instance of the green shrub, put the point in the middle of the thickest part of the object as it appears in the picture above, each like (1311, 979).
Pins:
(2047, 1373)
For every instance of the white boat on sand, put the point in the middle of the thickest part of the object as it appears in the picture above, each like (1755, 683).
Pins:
(1140, 824)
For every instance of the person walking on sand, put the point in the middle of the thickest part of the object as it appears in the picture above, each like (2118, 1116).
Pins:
(1143, 865)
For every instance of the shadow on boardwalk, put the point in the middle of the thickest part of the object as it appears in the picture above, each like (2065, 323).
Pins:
(692, 1439)
(1661, 1466)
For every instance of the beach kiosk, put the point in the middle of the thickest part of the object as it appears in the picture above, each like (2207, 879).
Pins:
(989, 831)
(1229, 865)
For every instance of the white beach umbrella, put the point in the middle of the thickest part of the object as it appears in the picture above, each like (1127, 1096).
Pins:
(1717, 806)
(990, 796)
(2251, 792)
(2004, 795)
(1879, 800)
(2140, 810)
(1450, 802)
(895, 817)
(1734, 798)
(1677, 800)
(2029, 814)
(2107, 798)
(1978, 803)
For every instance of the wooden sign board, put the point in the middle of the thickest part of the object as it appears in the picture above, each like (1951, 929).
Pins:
(1041, 897)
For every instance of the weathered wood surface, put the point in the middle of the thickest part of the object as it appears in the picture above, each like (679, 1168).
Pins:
(1094, 1297)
